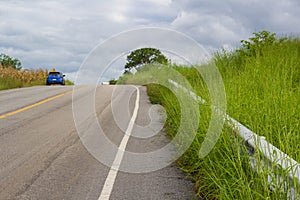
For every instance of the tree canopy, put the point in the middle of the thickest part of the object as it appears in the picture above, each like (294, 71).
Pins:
(143, 56)
(7, 61)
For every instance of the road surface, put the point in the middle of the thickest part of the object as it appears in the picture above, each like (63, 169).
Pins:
(42, 156)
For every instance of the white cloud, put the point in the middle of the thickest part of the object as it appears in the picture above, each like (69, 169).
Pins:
(209, 30)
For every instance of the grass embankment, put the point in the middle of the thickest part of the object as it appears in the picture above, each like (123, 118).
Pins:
(13, 78)
(263, 93)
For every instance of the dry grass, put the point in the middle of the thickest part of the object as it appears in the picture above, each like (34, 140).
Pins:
(12, 78)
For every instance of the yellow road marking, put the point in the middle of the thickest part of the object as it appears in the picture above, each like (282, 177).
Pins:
(34, 105)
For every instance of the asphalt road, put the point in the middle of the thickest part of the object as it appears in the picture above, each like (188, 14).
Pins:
(45, 152)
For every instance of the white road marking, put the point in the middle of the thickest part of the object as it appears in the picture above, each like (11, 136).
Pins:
(111, 177)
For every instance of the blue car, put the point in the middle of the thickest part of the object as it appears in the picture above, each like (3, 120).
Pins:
(55, 78)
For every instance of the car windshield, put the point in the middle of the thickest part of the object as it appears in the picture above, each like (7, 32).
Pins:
(54, 74)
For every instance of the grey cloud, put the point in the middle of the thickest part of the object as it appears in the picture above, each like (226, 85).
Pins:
(151, 13)
(209, 30)
(217, 23)
(44, 33)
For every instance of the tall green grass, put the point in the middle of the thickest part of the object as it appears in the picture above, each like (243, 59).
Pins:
(263, 93)
(8, 83)
(225, 173)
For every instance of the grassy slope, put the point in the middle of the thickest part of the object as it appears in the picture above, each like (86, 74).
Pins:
(263, 92)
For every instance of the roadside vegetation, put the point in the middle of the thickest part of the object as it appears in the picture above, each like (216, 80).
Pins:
(262, 83)
(13, 76)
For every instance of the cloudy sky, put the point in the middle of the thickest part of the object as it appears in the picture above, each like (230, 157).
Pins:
(60, 34)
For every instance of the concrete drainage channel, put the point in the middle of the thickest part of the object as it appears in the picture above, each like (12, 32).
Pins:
(283, 171)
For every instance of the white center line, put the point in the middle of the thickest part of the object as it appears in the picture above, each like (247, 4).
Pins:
(111, 177)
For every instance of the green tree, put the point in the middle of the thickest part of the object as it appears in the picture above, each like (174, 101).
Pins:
(7, 61)
(255, 45)
(143, 56)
